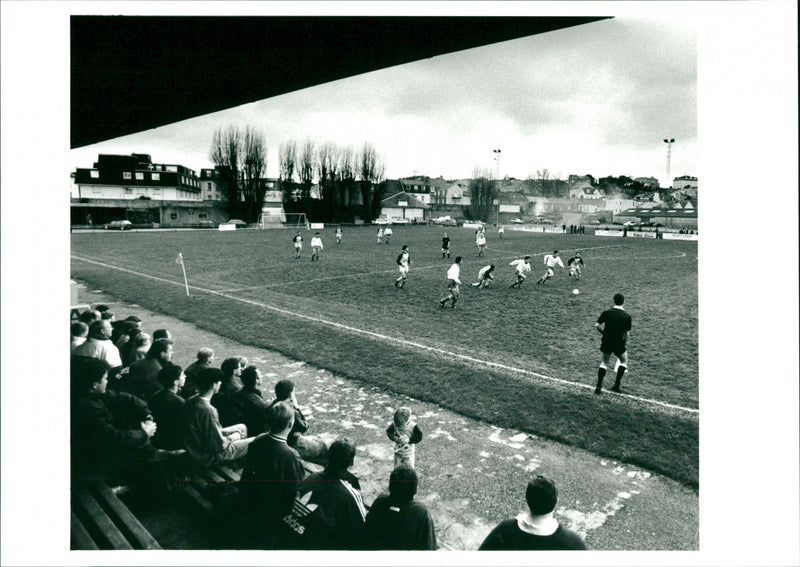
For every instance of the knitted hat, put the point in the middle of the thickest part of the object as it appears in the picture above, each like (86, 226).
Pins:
(402, 417)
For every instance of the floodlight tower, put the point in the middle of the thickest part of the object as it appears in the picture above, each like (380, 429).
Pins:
(496, 202)
(669, 143)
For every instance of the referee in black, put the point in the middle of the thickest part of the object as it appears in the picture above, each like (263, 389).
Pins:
(615, 325)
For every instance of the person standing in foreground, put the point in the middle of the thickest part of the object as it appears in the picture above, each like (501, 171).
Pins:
(387, 234)
(536, 529)
(551, 261)
(615, 325)
(338, 235)
(380, 234)
(500, 232)
(328, 511)
(396, 521)
(298, 244)
(404, 261)
(452, 283)
(316, 246)
(520, 268)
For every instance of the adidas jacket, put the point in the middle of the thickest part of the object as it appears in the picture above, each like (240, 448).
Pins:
(327, 513)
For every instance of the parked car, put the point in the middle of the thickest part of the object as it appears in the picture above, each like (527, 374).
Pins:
(630, 223)
(518, 221)
(237, 222)
(119, 225)
(381, 220)
(205, 223)
(444, 220)
(399, 220)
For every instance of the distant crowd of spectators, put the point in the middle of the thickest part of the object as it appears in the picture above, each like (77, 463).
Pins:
(137, 417)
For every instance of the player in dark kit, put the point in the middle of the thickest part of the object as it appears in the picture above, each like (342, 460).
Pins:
(575, 265)
(615, 325)
(445, 245)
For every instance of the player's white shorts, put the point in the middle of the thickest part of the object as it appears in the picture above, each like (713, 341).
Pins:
(575, 270)
(549, 272)
(298, 245)
(404, 271)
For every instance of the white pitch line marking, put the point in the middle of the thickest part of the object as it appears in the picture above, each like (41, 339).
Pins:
(389, 339)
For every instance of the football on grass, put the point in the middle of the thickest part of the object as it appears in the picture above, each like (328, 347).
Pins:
(575, 291)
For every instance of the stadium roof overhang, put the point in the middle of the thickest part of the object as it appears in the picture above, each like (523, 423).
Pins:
(133, 73)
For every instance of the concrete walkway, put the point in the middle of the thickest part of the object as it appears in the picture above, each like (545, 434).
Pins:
(472, 475)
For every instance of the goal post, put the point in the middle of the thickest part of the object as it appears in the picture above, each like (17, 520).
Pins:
(297, 221)
(283, 220)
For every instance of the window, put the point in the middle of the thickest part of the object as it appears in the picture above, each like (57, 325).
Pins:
(173, 216)
(156, 176)
(94, 174)
(139, 175)
(127, 175)
(172, 168)
(203, 215)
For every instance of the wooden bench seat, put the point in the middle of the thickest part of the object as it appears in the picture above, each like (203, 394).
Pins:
(201, 487)
(100, 520)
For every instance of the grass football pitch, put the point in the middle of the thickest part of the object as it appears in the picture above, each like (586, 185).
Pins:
(524, 358)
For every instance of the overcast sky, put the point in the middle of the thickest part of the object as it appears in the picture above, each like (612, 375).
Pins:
(594, 99)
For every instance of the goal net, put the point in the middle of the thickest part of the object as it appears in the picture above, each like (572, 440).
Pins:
(297, 221)
(282, 220)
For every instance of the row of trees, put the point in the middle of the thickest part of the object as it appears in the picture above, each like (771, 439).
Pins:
(483, 190)
(349, 181)
(240, 157)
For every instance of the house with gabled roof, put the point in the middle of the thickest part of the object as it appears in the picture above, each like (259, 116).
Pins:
(404, 205)
(584, 192)
(419, 186)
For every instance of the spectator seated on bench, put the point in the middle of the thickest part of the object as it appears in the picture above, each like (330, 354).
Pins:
(111, 431)
(254, 409)
(141, 378)
(89, 316)
(206, 441)
(395, 521)
(226, 400)
(99, 345)
(272, 474)
(205, 358)
(78, 332)
(311, 448)
(167, 408)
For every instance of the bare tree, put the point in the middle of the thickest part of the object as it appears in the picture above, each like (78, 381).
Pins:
(225, 147)
(483, 191)
(347, 182)
(255, 163)
(306, 173)
(371, 172)
(328, 167)
(287, 161)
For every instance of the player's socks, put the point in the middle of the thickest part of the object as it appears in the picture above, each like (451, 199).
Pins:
(618, 381)
(601, 372)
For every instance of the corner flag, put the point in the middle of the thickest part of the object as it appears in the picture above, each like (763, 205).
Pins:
(179, 260)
